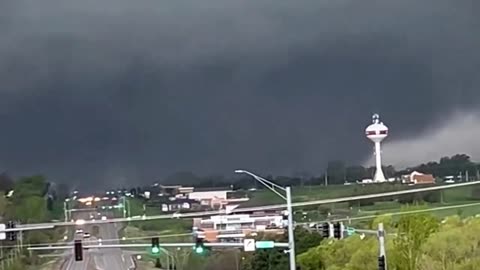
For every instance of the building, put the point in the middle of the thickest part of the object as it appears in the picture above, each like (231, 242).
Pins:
(216, 198)
(423, 179)
(173, 204)
(176, 197)
(177, 190)
(418, 178)
(236, 227)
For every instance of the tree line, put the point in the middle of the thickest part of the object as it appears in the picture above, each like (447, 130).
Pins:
(337, 172)
(31, 199)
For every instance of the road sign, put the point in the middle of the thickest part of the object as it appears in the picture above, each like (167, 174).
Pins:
(249, 244)
(3, 235)
(265, 244)
(350, 231)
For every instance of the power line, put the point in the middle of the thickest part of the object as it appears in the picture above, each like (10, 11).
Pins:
(399, 213)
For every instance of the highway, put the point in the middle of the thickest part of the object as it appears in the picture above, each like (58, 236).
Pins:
(95, 259)
(111, 258)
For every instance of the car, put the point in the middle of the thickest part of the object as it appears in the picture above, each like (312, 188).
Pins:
(79, 231)
(86, 235)
(104, 218)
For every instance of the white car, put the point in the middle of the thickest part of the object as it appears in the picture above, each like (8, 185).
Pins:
(86, 235)
(79, 231)
(104, 218)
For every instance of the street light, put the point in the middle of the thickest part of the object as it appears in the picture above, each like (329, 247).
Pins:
(287, 197)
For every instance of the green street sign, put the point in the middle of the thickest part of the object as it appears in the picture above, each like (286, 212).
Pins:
(350, 230)
(264, 244)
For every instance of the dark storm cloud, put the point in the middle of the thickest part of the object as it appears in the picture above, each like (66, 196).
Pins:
(124, 91)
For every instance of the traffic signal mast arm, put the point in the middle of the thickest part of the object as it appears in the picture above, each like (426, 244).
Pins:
(162, 245)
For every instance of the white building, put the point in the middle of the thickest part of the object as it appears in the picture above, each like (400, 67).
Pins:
(208, 195)
(213, 199)
(218, 228)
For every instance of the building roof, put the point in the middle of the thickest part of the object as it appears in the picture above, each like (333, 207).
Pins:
(206, 189)
(173, 186)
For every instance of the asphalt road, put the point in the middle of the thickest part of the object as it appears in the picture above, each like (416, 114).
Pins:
(112, 258)
(99, 259)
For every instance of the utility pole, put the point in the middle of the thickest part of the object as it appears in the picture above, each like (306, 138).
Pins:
(382, 259)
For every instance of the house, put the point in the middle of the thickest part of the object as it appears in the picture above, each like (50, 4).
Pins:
(423, 179)
(418, 178)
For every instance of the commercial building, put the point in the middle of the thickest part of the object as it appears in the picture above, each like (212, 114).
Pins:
(237, 227)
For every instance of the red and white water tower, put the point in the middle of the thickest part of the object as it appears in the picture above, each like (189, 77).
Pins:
(377, 132)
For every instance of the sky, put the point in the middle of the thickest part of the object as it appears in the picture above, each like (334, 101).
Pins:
(115, 92)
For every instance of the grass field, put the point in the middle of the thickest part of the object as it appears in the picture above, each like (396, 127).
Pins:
(308, 193)
(449, 197)
(454, 196)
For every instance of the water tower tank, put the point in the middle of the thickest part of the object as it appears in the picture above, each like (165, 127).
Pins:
(377, 131)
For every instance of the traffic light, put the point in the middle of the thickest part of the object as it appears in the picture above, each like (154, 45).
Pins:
(381, 263)
(326, 230)
(199, 246)
(78, 250)
(11, 236)
(337, 230)
(155, 245)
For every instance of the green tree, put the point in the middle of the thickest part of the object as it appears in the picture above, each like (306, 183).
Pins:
(276, 259)
(387, 221)
(30, 186)
(30, 210)
(352, 253)
(305, 239)
(412, 232)
(451, 248)
(267, 259)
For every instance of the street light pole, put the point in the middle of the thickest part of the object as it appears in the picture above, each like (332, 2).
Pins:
(65, 209)
(291, 240)
(288, 197)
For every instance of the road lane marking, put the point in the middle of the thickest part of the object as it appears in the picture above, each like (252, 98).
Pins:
(69, 265)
